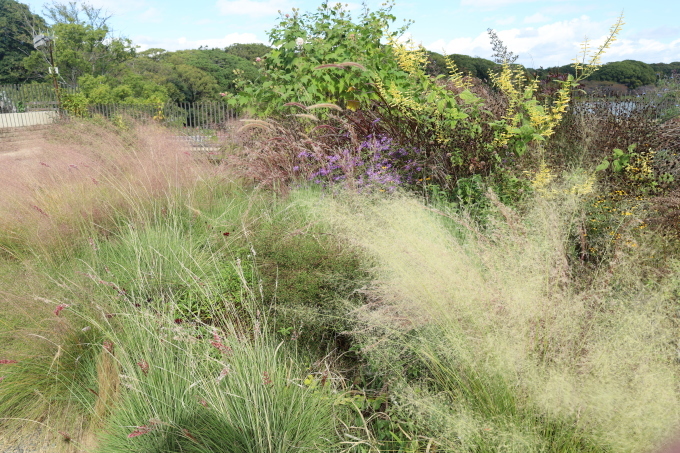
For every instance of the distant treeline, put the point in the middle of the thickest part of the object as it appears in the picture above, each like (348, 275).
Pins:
(631, 73)
(108, 69)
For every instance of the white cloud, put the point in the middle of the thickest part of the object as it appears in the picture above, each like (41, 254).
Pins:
(252, 7)
(536, 18)
(146, 42)
(647, 50)
(152, 15)
(558, 43)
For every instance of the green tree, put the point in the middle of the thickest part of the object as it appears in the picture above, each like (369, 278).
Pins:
(224, 67)
(474, 66)
(248, 51)
(666, 69)
(16, 39)
(84, 43)
(349, 52)
(152, 65)
(631, 73)
(195, 84)
(436, 64)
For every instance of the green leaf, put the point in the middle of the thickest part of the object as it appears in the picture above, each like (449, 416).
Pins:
(603, 166)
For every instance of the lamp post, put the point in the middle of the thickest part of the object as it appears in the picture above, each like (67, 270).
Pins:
(48, 42)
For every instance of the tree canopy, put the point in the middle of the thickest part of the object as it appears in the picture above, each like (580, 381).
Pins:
(631, 73)
(85, 44)
(16, 39)
(248, 51)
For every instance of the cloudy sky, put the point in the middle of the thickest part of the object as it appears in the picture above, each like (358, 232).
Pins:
(543, 32)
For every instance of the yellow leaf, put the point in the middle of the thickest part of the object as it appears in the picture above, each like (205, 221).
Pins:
(353, 104)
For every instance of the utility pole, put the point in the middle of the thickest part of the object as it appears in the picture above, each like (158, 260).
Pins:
(48, 41)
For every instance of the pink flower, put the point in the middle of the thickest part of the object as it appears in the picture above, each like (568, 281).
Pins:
(59, 308)
(258, 59)
(7, 361)
(223, 94)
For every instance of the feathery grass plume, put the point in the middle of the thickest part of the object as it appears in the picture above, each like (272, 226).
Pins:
(325, 105)
(254, 124)
(352, 64)
(87, 180)
(496, 344)
(307, 116)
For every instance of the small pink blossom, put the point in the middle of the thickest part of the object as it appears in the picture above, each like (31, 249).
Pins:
(224, 373)
(188, 434)
(108, 345)
(67, 437)
(144, 366)
(217, 343)
(59, 308)
(223, 94)
(145, 429)
(141, 430)
(258, 59)
(40, 211)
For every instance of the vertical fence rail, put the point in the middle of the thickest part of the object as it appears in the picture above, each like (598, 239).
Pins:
(212, 115)
(31, 104)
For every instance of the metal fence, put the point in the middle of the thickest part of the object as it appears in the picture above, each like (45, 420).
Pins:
(201, 115)
(29, 97)
(213, 115)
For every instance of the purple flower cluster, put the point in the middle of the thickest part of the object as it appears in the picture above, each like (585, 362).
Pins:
(376, 163)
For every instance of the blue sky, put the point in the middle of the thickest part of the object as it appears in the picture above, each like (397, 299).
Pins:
(543, 32)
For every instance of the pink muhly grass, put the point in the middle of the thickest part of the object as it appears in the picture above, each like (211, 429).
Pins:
(140, 431)
(108, 345)
(144, 429)
(66, 436)
(188, 434)
(217, 343)
(59, 308)
(224, 373)
(144, 366)
(40, 211)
